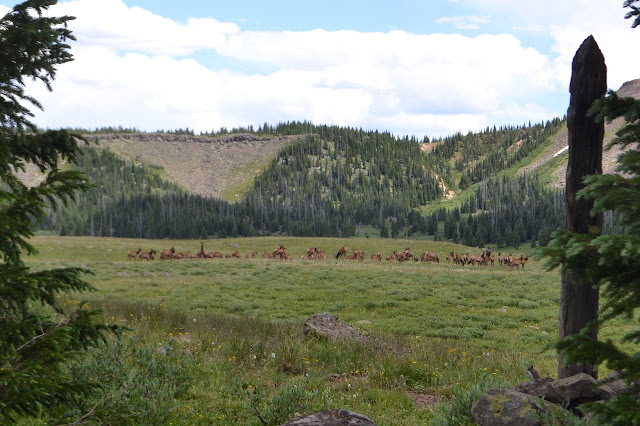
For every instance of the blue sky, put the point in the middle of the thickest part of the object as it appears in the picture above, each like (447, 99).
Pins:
(411, 67)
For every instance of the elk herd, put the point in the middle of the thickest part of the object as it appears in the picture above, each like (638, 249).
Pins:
(486, 258)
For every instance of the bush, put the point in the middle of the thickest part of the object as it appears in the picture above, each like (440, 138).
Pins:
(140, 384)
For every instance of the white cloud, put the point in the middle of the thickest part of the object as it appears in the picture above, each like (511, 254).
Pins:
(131, 69)
(569, 22)
(111, 23)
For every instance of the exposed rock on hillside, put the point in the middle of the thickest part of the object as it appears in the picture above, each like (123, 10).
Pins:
(609, 157)
(203, 165)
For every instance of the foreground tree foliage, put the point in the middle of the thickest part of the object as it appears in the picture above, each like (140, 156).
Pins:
(38, 336)
(611, 261)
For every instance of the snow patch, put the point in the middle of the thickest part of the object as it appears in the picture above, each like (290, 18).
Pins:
(561, 151)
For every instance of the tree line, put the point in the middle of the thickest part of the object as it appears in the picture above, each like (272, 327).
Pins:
(327, 183)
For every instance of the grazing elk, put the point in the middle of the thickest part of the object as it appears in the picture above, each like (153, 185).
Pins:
(133, 254)
(341, 253)
(167, 254)
(457, 259)
(148, 256)
(280, 252)
(430, 256)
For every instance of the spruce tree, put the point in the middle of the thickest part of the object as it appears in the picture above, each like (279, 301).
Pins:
(38, 336)
(612, 262)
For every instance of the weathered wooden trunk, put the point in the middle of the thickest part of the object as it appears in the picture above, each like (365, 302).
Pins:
(578, 296)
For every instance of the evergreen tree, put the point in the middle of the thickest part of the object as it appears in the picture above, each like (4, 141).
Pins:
(38, 337)
(611, 261)
(384, 230)
(395, 229)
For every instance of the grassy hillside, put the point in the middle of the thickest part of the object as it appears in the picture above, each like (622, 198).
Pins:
(230, 330)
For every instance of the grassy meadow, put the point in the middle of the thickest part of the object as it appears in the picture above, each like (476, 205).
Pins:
(234, 326)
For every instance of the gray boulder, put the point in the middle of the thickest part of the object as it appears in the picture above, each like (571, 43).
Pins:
(569, 392)
(330, 326)
(337, 417)
(500, 407)
(615, 384)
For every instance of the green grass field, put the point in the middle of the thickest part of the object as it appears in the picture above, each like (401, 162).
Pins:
(238, 322)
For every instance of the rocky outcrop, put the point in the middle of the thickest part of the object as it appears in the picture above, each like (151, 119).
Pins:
(569, 392)
(337, 417)
(330, 326)
(508, 407)
(523, 404)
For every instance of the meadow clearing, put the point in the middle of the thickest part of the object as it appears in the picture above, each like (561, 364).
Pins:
(236, 324)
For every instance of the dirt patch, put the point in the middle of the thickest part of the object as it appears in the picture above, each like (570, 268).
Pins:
(429, 147)
(424, 400)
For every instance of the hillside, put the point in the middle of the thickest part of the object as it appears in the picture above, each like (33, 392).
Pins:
(203, 165)
(609, 157)
(225, 166)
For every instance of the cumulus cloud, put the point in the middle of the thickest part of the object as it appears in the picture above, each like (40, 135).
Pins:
(112, 24)
(569, 22)
(132, 68)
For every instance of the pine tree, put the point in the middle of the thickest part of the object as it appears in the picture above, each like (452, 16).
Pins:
(612, 262)
(38, 336)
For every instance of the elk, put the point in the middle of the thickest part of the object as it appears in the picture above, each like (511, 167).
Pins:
(148, 256)
(457, 259)
(167, 254)
(430, 256)
(133, 254)
(517, 262)
(201, 254)
(280, 252)
(341, 253)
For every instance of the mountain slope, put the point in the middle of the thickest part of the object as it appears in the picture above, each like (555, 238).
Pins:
(609, 157)
(203, 165)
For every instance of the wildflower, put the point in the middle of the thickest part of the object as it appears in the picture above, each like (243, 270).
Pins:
(273, 355)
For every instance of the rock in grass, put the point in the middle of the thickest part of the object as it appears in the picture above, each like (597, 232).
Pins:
(337, 417)
(569, 392)
(508, 407)
(328, 325)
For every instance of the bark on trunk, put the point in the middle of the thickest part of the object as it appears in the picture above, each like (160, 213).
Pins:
(578, 295)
